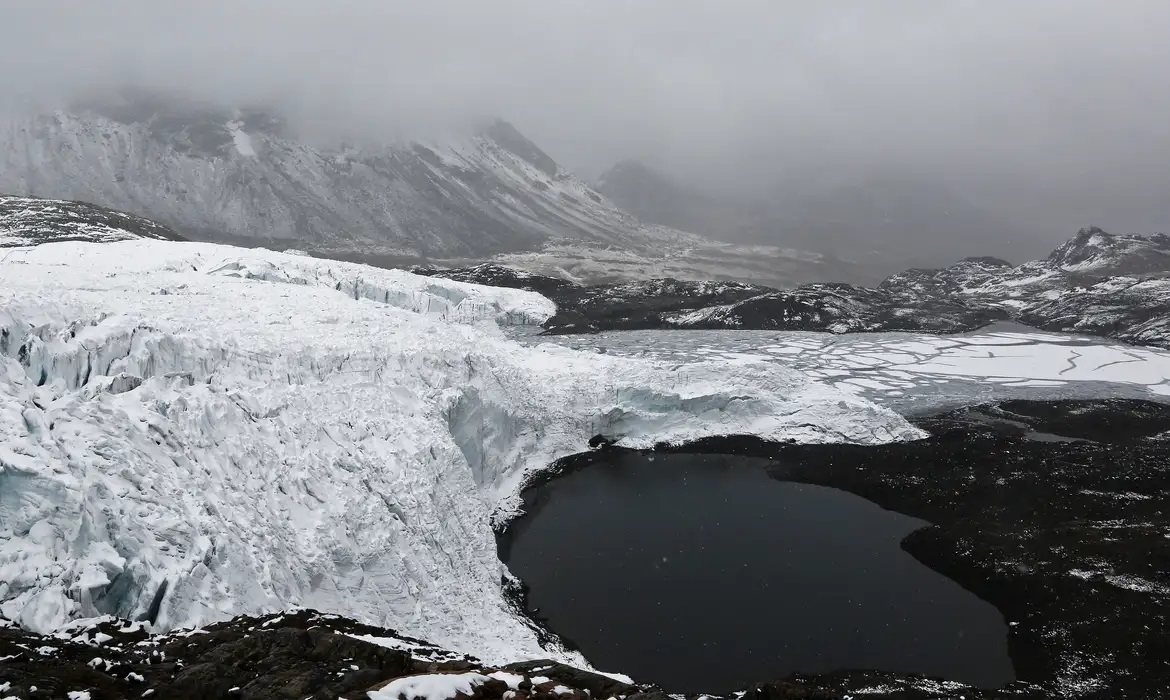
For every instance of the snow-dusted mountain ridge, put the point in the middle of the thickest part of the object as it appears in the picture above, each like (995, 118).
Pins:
(226, 431)
(232, 175)
(1093, 252)
(244, 176)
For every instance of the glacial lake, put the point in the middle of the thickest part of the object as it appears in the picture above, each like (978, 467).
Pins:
(703, 573)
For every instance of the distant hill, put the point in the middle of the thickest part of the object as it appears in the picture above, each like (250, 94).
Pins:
(28, 221)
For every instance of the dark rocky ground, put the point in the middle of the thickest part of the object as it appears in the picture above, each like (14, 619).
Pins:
(1055, 512)
(302, 654)
(670, 303)
(31, 221)
(1113, 286)
(621, 306)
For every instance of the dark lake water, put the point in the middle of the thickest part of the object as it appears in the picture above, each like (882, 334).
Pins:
(702, 573)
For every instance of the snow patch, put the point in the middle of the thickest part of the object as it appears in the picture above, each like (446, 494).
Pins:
(241, 139)
(431, 686)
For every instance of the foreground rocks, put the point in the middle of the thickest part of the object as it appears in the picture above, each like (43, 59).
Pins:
(303, 654)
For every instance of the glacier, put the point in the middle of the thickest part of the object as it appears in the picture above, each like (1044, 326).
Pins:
(191, 431)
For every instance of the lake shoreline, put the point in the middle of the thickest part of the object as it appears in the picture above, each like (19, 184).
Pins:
(1067, 539)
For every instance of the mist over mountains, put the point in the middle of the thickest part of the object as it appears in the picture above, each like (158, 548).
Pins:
(890, 220)
(251, 176)
(245, 175)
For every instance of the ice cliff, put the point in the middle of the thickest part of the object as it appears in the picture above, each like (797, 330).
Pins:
(191, 431)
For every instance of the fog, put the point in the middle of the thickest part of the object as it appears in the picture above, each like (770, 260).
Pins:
(1053, 113)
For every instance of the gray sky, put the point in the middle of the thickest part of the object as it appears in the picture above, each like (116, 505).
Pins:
(1055, 112)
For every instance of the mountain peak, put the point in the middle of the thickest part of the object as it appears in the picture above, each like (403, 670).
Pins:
(1094, 251)
(510, 138)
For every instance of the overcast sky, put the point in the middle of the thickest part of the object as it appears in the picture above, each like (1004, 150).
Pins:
(1056, 112)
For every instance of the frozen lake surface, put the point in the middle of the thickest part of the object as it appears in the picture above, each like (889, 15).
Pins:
(916, 373)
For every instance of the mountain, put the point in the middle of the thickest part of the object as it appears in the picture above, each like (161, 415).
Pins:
(879, 221)
(1094, 252)
(28, 221)
(245, 176)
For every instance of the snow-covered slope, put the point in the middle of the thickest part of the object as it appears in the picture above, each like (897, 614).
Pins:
(27, 221)
(229, 175)
(1095, 252)
(224, 431)
(1096, 282)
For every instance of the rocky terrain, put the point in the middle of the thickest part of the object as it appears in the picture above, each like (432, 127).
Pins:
(27, 221)
(1098, 283)
(619, 306)
(293, 655)
(840, 308)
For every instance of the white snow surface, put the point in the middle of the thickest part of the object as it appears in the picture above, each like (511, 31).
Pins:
(262, 431)
(897, 369)
(241, 140)
(430, 686)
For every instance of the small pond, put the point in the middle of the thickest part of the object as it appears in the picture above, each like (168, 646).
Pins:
(703, 573)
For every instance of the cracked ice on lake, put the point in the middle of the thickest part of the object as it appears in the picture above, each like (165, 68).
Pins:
(916, 373)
